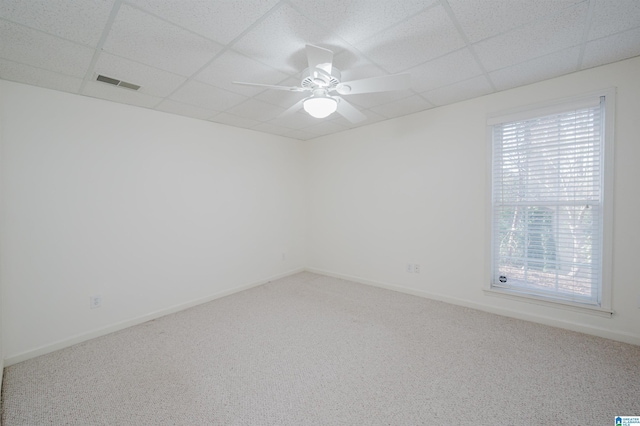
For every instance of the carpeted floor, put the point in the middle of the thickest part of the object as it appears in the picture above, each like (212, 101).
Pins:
(314, 350)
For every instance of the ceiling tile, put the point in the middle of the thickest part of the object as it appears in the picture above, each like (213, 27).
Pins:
(480, 19)
(612, 16)
(257, 110)
(369, 100)
(425, 36)
(27, 74)
(207, 97)
(552, 34)
(472, 88)
(372, 117)
(279, 40)
(78, 20)
(119, 94)
(221, 21)
(325, 127)
(180, 108)
(300, 134)
(283, 98)
(144, 38)
(297, 120)
(613, 48)
(31, 47)
(542, 68)
(232, 66)
(457, 66)
(405, 106)
(152, 81)
(234, 120)
(354, 20)
(353, 66)
(271, 128)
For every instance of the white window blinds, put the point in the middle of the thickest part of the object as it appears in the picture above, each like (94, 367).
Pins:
(547, 205)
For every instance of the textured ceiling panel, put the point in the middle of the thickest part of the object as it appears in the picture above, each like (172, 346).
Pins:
(179, 108)
(147, 39)
(221, 21)
(241, 68)
(401, 107)
(257, 110)
(481, 19)
(234, 120)
(372, 117)
(472, 88)
(186, 54)
(282, 98)
(52, 16)
(554, 64)
(612, 16)
(14, 71)
(456, 66)
(279, 40)
(425, 36)
(355, 20)
(613, 48)
(552, 34)
(206, 96)
(31, 47)
(368, 100)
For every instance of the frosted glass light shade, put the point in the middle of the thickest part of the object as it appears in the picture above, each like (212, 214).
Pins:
(320, 107)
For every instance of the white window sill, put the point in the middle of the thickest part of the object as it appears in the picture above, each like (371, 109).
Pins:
(543, 301)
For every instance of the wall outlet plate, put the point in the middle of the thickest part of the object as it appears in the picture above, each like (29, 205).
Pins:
(95, 301)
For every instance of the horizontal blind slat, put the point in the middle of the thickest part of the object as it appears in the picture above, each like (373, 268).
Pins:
(547, 181)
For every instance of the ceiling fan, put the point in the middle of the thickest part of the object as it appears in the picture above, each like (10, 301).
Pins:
(322, 79)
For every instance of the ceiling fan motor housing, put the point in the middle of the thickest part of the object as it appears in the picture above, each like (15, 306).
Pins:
(320, 79)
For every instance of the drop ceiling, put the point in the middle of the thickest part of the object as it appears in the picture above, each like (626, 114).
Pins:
(185, 54)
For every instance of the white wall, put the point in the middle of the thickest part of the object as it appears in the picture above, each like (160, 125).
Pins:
(150, 210)
(156, 212)
(414, 190)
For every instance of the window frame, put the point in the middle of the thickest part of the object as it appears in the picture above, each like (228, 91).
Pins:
(604, 309)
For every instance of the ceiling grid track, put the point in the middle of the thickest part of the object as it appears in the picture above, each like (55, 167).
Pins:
(585, 34)
(469, 45)
(98, 50)
(225, 48)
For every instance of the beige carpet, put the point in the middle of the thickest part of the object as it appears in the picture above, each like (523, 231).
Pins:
(313, 350)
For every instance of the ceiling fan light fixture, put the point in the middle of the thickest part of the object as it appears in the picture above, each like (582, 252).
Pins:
(320, 106)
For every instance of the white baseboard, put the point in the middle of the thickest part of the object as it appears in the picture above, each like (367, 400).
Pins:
(61, 344)
(633, 339)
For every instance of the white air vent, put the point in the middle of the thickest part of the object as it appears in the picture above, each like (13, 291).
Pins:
(118, 83)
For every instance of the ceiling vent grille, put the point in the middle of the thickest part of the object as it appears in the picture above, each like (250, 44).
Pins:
(118, 83)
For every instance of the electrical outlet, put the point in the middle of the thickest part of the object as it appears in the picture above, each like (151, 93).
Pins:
(416, 268)
(95, 301)
(410, 268)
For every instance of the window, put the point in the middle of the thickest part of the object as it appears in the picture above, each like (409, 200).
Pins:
(548, 203)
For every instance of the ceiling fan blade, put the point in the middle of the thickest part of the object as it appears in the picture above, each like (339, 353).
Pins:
(293, 109)
(269, 86)
(319, 58)
(349, 112)
(375, 84)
